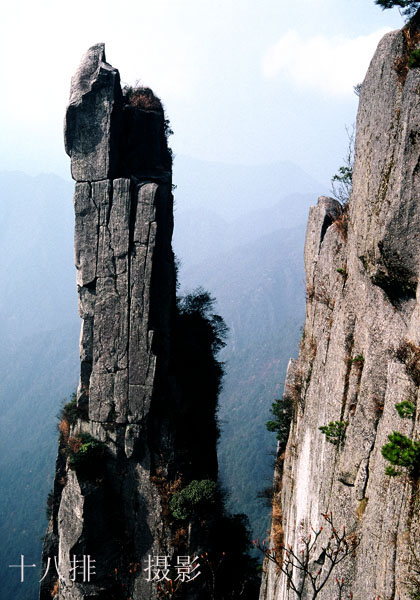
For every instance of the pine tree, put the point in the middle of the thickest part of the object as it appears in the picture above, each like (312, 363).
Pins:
(409, 7)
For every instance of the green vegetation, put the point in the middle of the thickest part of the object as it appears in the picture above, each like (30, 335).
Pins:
(282, 411)
(199, 336)
(406, 409)
(391, 472)
(86, 454)
(70, 411)
(409, 7)
(335, 432)
(359, 359)
(50, 504)
(401, 452)
(414, 59)
(196, 498)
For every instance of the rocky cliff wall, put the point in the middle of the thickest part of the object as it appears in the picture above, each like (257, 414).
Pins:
(120, 456)
(359, 357)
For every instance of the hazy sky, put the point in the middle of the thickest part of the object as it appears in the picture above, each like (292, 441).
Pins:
(242, 81)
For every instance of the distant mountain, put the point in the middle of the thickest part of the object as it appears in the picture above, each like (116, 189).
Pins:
(38, 291)
(231, 191)
(35, 377)
(201, 233)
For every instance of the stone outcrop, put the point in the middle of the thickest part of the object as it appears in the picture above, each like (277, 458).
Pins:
(360, 352)
(119, 458)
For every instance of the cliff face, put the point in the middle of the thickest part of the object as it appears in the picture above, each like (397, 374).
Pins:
(360, 355)
(121, 454)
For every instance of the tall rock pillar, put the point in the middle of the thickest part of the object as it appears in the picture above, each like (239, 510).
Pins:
(116, 457)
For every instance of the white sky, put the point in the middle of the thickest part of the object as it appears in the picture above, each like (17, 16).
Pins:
(242, 81)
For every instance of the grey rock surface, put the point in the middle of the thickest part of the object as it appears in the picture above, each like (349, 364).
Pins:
(362, 306)
(93, 118)
(113, 505)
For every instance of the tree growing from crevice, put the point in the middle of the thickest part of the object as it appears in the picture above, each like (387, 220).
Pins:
(407, 8)
(199, 336)
(282, 413)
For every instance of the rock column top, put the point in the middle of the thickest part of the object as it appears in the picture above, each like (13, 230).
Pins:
(93, 118)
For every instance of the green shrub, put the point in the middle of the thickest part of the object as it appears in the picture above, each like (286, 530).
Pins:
(359, 359)
(282, 411)
(414, 59)
(391, 472)
(86, 454)
(197, 497)
(409, 7)
(71, 411)
(335, 431)
(402, 452)
(406, 409)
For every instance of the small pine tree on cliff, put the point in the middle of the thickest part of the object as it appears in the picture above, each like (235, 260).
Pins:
(409, 7)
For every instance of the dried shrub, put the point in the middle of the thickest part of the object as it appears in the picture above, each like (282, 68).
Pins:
(312, 349)
(408, 59)
(293, 392)
(86, 455)
(142, 97)
(378, 405)
(277, 527)
(341, 224)
(322, 295)
(409, 354)
(401, 68)
(361, 507)
(64, 429)
(166, 488)
(55, 590)
(179, 538)
(414, 577)
(310, 291)
(74, 444)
